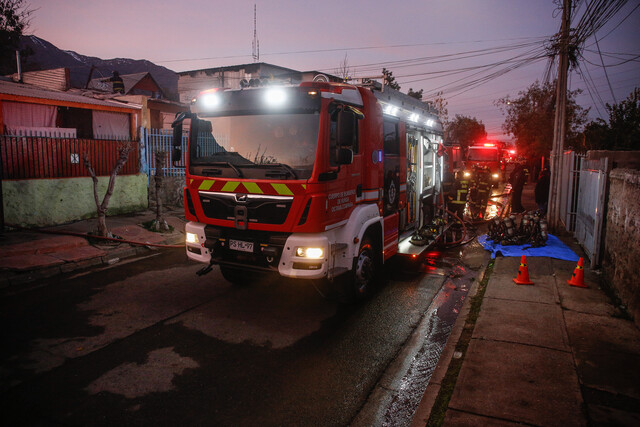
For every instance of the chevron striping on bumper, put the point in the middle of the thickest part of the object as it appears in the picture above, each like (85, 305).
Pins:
(282, 189)
(253, 188)
(230, 186)
(206, 184)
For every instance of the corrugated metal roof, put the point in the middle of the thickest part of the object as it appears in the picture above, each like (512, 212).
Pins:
(53, 79)
(18, 89)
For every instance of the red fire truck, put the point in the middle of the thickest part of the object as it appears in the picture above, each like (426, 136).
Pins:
(485, 154)
(315, 181)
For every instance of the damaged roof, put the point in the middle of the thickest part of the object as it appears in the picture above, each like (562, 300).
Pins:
(130, 81)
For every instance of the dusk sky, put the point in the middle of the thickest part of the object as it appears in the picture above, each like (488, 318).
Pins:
(410, 38)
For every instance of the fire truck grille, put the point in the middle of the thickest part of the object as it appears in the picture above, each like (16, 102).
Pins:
(260, 209)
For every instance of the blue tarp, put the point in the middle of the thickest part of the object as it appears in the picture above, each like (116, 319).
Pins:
(553, 249)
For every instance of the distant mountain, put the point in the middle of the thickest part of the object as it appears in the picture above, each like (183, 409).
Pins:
(44, 55)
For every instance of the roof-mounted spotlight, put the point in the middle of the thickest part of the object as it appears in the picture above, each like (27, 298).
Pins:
(275, 97)
(390, 109)
(210, 100)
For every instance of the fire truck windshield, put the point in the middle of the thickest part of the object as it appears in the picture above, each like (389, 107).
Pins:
(260, 146)
(477, 154)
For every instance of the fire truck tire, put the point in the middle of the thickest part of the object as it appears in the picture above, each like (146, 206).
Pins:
(235, 275)
(365, 269)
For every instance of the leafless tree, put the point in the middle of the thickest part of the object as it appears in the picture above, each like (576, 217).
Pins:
(441, 105)
(344, 71)
(123, 155)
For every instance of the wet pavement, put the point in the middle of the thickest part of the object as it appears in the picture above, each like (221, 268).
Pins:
(545, 355)
(397, 396)
(30, 255)
(437, 326)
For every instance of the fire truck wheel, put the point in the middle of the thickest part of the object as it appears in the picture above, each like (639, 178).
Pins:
(235, 275)
(365, 269)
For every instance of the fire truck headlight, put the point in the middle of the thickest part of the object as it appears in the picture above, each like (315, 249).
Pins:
(313, 253)
(495, 176)
(275, 97)
(467, 174)
(192, 238)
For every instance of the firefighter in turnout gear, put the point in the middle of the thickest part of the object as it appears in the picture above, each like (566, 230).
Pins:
(118, 84)
(481, 191)
(517, 179)
(457, 200)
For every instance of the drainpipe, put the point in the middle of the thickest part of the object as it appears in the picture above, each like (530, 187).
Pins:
(19, 66)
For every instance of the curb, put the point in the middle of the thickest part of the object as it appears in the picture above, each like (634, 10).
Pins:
(423, 412)
(11, 279)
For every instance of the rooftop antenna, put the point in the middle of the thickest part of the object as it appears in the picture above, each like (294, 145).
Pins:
(256, 42)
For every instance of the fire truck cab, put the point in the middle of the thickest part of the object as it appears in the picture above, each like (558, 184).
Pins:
(487, 155)
(315, 181)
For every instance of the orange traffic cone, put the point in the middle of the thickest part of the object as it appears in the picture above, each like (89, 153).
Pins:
(523, 273)
(578, 275)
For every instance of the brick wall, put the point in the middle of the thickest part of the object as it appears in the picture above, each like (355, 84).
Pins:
(622, 237)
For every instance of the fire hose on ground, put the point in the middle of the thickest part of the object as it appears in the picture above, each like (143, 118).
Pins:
(92, 236)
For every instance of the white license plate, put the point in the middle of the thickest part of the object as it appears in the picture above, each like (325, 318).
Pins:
(239, 245)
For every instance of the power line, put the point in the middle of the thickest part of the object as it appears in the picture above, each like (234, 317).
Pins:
(340, 49)
(620, 23)
(603, 67)
(446, 57)
(626, 61)
(588, 81)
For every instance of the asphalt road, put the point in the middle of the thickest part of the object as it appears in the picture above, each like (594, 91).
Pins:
(151, 343)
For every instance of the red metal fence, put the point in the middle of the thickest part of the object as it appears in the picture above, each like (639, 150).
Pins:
(41, 157)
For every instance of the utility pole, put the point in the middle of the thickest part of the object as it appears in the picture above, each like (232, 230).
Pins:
(256, 43)
(559, 128)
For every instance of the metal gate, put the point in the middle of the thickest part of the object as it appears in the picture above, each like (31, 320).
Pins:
(591, 207)
(155, 140)
(569, 186)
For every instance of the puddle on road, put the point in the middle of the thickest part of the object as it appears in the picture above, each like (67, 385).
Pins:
(436, 328)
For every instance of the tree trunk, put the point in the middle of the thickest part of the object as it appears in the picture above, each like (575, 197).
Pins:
(160, 224)
(123, 154)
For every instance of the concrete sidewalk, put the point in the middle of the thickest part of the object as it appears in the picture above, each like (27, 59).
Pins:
(545, 355)
(30, 255)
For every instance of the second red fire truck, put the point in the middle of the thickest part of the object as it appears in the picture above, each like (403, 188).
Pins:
(315, 181)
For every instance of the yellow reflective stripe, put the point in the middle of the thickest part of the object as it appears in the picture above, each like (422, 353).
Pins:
(230, 186)
(253, 188)
(282, 189)
(304, 186)
(206, 184)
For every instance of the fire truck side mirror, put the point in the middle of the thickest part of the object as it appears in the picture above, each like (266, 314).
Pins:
(176, 154)
(346, 128)
(345, 156)
(176, 141)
